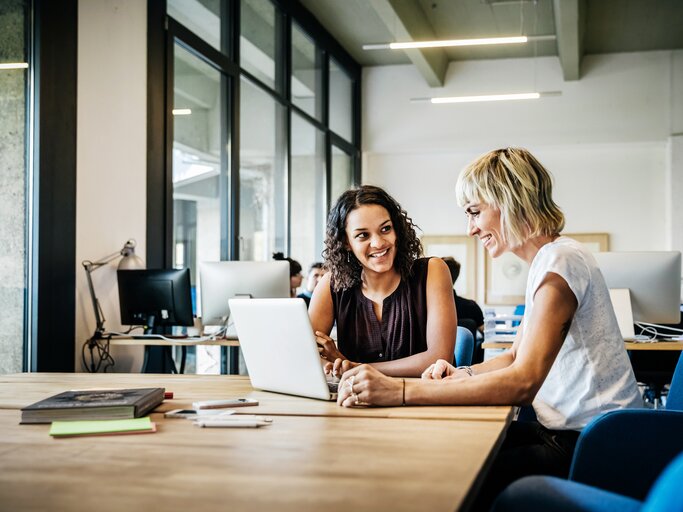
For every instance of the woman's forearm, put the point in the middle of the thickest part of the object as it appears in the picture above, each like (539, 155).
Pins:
(503, 387)
(496, 363)
(412, 366)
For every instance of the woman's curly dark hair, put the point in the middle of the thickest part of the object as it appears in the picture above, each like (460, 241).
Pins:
(345, 268)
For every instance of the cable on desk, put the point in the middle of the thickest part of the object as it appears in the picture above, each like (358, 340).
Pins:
(653, 330)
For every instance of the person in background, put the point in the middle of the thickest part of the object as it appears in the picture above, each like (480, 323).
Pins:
(295, 277)
(393, 308)
(470, 314)
(568, 358)
(315, 272)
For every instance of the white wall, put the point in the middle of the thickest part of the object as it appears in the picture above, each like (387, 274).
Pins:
(606, 139)
(111, 154)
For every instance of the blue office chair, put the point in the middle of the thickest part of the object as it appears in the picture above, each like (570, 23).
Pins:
(674, 399)
(541, 493)
(618, 458)
(464, 347)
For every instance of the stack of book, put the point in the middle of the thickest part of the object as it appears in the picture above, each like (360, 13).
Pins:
(95, 404)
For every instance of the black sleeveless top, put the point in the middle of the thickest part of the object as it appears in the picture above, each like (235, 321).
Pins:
(403, 330)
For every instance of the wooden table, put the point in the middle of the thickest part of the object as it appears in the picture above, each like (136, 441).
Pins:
(630, 345)
(309, 458)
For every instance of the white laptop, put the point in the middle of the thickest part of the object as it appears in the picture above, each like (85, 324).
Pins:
(279, 347)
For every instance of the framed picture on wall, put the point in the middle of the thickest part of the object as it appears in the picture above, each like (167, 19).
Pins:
(596, 242)
(505, 279)
(464, 249)
(506, 276)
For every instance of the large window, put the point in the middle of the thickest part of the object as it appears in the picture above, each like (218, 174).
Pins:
(262, 174)
(261, 131)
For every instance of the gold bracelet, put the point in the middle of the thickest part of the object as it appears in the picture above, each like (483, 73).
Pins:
(403, 400)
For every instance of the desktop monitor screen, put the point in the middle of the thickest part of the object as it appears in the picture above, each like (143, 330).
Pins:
(223, 280)
(653, 280)
(155, 298)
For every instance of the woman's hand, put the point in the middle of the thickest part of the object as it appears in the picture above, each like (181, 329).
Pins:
(364, 385)
(327, 347)
(339, 367)
(443, 370)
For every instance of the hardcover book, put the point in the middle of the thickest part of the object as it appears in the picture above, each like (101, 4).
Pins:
(94, 404)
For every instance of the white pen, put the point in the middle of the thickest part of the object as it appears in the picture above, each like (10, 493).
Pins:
(231, 424)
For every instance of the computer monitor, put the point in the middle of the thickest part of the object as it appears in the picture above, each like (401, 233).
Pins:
(653, 279)
(155, 298)
(223, 280)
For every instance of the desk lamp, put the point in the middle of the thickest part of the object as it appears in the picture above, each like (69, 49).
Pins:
(129, 261)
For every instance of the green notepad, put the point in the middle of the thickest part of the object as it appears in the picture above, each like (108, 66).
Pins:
(101, 427)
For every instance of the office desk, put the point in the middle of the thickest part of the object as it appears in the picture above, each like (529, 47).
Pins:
(180, 342)
(351, 462)
(189, 388)
(660, 345)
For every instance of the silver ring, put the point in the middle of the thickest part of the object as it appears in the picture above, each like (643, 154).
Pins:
(355, 398)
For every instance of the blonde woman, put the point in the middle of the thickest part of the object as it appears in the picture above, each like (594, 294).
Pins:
(568, 359)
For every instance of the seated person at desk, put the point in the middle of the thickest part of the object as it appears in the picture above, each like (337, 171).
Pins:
(393, 308)
(295, 276)
(469, 313)
(568, 359)
(315, 272)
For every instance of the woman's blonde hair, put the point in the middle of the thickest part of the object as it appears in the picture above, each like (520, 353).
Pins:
(513, 181)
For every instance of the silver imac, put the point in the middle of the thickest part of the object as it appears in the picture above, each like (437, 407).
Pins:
(653, 279)
(220, 281)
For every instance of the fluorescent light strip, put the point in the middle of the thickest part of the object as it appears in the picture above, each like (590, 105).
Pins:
(181, 111)
(488, 97)
(14, 65)
(457, 42)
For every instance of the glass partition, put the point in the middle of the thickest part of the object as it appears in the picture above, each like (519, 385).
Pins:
(262, 185)
(307, 192)
(341, 102)
(258, 31)
(199, 160)
(341, 173)
(306, 74)
(203, 17)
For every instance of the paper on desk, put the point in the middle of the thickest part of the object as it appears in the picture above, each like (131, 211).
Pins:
(102, 427)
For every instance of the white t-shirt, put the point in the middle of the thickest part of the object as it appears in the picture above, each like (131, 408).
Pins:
(592, 373)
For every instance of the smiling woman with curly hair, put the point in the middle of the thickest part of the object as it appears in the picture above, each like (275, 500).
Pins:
(392, 308)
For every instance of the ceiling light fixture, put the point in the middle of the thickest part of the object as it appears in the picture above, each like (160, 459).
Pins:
(488, 97)
(457, 42)
(181, 111)
(14, 65)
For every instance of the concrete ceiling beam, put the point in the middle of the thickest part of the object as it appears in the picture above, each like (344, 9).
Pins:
(570, 27)
(407, 22)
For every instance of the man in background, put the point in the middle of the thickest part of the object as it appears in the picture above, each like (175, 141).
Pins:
(470, 314)
(315, 272)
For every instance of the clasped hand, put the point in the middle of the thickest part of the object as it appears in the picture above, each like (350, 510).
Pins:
(442, 370)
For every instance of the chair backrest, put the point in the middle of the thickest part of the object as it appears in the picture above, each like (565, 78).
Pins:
(674, 400)
(464, 347)
(519, 310)
(624, 451)
(666, 493)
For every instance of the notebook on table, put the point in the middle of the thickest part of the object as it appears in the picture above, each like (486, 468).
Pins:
(279, 347)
